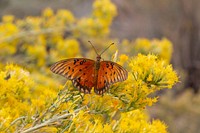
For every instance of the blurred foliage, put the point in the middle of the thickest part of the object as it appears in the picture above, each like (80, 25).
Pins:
(162, 48)
(31, 97)
(182, 110)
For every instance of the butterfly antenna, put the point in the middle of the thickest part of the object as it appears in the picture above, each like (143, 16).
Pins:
(107, 48)
(93, 48)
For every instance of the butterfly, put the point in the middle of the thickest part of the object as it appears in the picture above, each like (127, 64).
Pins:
(86, 73)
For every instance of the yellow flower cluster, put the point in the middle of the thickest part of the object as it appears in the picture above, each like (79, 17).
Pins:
(147, 75)
(66, 44)
(7, 23)
(15, 85)
(162, 48)
(35, 37)
(140, 125)
(99, 22)
(133, 121)
(19, 96)
(122, 59)
(152, 71)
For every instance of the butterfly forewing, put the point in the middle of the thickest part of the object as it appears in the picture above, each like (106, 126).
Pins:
(79, 70)
(108, 74)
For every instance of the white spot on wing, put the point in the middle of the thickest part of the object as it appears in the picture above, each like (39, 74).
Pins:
(75, 83)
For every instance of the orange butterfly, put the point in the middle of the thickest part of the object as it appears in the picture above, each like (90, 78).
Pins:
(87, 73)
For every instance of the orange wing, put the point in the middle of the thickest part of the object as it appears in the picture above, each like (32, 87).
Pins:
(108, 74)
(79, 70)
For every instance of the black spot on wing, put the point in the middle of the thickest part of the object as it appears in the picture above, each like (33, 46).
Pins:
(82, 62)
(107, 65)
(112, 64)
(75, 61)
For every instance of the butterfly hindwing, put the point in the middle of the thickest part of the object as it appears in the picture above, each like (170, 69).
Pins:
(85, 81)
(108, 74)
(79, 70)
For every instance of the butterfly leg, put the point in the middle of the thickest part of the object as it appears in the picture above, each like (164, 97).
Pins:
(102, 93)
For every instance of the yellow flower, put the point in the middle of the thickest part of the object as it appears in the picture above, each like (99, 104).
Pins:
(107, 128)
(158, 127)
(102, 104)
(142, 45)
(48, 12)
(65, 16)
(8, 18)
(37, 53)
(98, 24)
(104, 9)
(122, 59)
(150, 77)
(68, 48)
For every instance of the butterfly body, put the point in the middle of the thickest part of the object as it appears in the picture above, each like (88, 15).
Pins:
(86, 73)
(97, 66)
